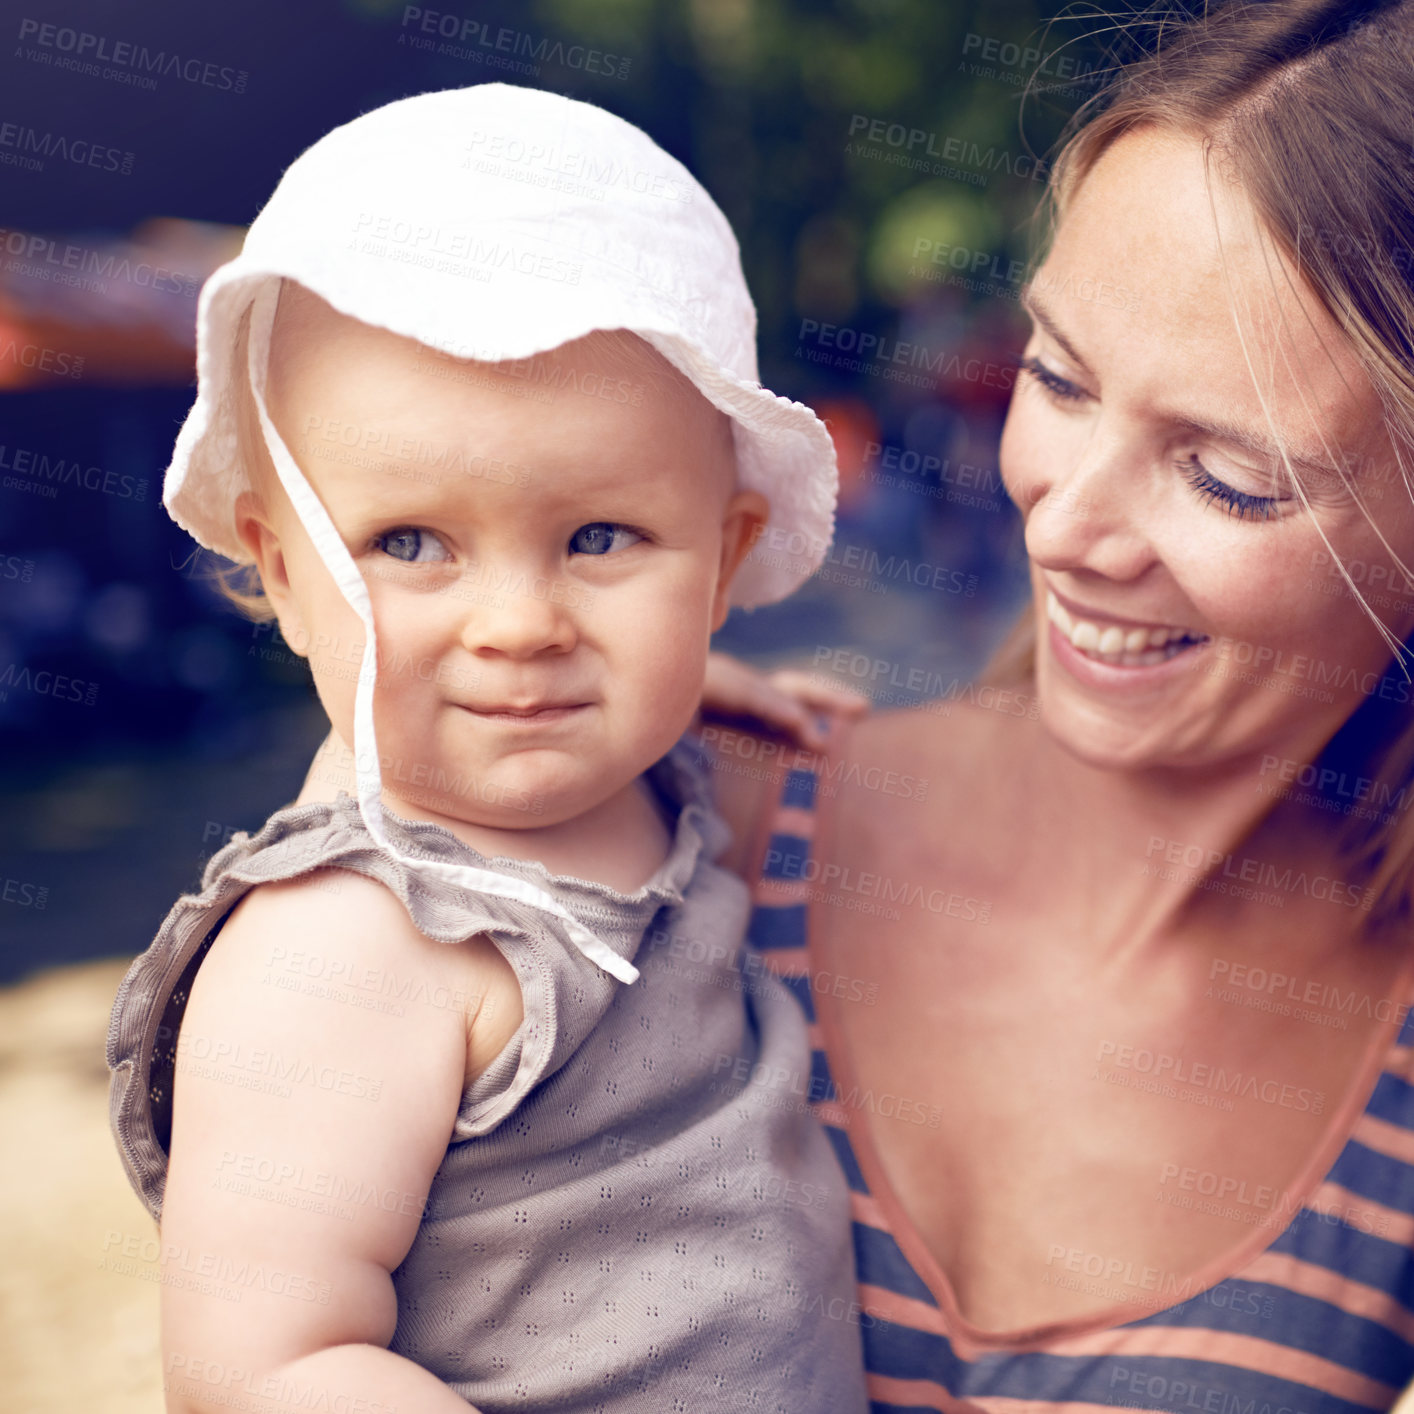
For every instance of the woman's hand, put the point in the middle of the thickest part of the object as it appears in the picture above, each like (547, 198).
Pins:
(785, 701)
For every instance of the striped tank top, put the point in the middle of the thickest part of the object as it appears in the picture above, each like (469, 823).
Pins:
(1319, 1321)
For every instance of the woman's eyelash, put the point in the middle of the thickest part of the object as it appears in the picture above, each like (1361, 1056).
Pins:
(1237, 503)
(1052, 382)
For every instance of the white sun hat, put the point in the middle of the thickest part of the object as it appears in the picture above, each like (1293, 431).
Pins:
(497, 222)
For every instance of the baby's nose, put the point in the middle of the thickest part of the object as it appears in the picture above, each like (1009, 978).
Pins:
(516, 614)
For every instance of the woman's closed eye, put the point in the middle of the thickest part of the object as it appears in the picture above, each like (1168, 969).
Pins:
(1240, 504)
(602, 536)
(413, 546)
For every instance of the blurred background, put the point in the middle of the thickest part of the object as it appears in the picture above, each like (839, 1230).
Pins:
(881, 172)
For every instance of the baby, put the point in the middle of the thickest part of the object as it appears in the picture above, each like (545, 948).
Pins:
(446, 1087)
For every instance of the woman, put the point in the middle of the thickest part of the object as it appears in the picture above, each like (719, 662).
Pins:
(1113, 1001)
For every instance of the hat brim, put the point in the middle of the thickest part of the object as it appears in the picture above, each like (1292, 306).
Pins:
(783, 449)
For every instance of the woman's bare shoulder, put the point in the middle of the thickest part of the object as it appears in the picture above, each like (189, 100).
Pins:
(963, 733)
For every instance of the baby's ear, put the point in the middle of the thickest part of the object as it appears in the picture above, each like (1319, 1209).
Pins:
(743, 519)
(257, 533)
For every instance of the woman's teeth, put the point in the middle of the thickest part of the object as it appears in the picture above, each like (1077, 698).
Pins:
(1124, 648)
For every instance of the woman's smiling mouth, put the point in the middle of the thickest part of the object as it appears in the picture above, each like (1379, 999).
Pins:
(1116, 645)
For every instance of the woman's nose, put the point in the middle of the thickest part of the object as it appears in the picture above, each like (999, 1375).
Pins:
(1090, 514)
(517, 614)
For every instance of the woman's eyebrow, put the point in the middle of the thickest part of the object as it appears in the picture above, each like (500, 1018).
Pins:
(1214, 428)
(1031, 302)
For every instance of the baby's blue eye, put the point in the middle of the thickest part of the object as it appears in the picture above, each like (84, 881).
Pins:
(409, 545)
(601, 536)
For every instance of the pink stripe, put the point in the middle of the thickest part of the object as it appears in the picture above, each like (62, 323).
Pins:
(794, 820)
(906, 1311)
(1391, 1140)
(1363, 1213)
(1353, 1297)
(1242, 1352)
(1004, 1404)
(786, 962)
(920, 1394)
(864, 1208)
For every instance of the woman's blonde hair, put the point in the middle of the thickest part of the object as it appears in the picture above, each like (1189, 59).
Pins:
(1309, 104)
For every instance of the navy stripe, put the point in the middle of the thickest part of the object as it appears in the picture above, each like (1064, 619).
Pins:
(1374, 1175)
(1393, 1101)
(1406, 1030)
(905, 1353)
(1328, 1241)
(1173, 1384)
(1292, 1318)
(879, 1261)
(844, 1152)
(777, 926)
(786, 857)
(799, 790)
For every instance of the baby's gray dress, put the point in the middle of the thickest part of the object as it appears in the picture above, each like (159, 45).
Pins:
(637, 1211)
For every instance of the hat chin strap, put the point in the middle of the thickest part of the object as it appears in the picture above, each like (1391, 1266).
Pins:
(339, 562)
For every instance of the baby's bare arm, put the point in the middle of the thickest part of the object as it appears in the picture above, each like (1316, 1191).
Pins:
(281, 1092)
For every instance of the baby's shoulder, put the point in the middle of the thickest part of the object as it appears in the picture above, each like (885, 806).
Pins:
(343, 952)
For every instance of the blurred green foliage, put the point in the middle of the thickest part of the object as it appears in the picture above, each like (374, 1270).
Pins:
(765, 97)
